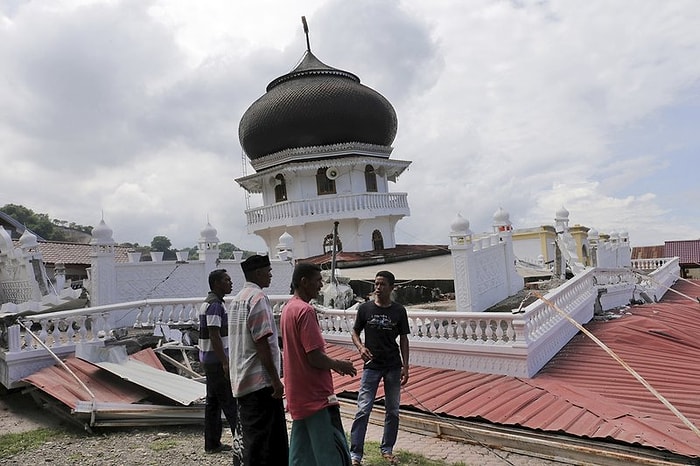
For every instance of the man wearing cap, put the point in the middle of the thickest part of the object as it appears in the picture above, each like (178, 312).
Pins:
(255, 368)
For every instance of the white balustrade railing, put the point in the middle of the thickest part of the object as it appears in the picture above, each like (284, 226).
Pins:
(66, 328)
(320, 206)
(517, 343)
(651, 264)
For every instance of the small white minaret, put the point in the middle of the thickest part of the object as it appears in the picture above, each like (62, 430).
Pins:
(462, 249)
(34, 263)
(208, 246)
(102, 272)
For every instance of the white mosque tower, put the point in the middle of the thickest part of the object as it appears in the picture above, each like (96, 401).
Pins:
(320, 143)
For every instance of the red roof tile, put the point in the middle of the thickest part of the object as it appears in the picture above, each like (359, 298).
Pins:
(54, 252)
(582, 391)
(687, 251)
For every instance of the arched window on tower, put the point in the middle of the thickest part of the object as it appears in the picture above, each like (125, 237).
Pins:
(370, 179)
(328, 244)
(280, 188)
(324, 185)
(377, 240)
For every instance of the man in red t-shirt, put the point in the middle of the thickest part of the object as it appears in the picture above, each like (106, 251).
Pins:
(317, 436)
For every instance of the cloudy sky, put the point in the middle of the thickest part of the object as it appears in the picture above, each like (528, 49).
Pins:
(130, 109)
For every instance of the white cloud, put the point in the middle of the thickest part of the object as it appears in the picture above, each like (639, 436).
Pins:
(131, 108)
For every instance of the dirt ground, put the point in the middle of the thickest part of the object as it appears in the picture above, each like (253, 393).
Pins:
(19, 413)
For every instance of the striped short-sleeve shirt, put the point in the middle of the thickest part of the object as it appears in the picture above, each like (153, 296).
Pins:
(212, 313)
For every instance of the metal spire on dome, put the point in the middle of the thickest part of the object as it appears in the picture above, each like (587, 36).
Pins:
(306, 32)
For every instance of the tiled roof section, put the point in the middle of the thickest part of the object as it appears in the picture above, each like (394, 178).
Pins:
(687, 251)
(648, 252)
(400, 253)
(582, 391)
(55, 252)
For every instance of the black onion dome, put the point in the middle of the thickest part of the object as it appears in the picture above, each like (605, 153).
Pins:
(316, 105)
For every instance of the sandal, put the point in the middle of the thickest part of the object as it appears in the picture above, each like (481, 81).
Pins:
(391, 459)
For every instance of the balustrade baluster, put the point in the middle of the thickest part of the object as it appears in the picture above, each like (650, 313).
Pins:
(70, 331)
(458, 331)
(56, 334)
(149, 316)
(469, 331)
(106, 327)
(489, 332)
(139, 314)
(499, 332)
(82, 329)
(510, 332)
(43, 335)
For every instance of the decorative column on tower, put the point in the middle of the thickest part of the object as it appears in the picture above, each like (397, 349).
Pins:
(625, 250)
(34, 263)
(208, 251)
(593, 239)
(462, 249)
(102, 272)
(504, 228)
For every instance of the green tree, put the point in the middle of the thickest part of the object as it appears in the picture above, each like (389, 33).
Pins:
(161, 243)
(40, 224)
(226, 250)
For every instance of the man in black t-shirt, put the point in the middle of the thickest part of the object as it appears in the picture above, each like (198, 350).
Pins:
(382, 321)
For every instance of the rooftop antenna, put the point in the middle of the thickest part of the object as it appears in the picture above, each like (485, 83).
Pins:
(306, 32)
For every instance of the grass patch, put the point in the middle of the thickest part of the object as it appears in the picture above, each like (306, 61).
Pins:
(11, 444)
(373, 457)
(162, 444)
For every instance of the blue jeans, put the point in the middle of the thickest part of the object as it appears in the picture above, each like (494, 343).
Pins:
(365, 401)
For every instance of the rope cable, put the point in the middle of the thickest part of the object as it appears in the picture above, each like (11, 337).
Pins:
(626, 366)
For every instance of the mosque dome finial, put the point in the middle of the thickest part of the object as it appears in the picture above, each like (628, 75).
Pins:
(316, 105)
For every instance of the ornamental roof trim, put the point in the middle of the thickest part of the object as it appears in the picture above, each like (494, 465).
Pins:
(329, 150)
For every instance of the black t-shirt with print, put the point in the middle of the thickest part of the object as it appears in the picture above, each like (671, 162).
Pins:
(382, 326)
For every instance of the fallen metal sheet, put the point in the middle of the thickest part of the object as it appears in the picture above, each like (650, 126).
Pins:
(172, 386)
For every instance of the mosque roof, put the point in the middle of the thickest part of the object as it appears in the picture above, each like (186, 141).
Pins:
(316, 105)
(582, 391)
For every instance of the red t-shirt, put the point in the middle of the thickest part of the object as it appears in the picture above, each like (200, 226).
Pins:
(308, 389)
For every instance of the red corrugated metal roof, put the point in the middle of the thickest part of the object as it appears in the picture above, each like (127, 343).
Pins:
(401, 252)
(582, 391)
(648, 252)
(687, 251)
(106, 387)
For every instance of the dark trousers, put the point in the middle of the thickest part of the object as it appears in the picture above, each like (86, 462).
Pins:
(264, 429)
(219, 398)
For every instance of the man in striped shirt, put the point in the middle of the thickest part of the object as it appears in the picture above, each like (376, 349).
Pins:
(213, 354)
(255, 368)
